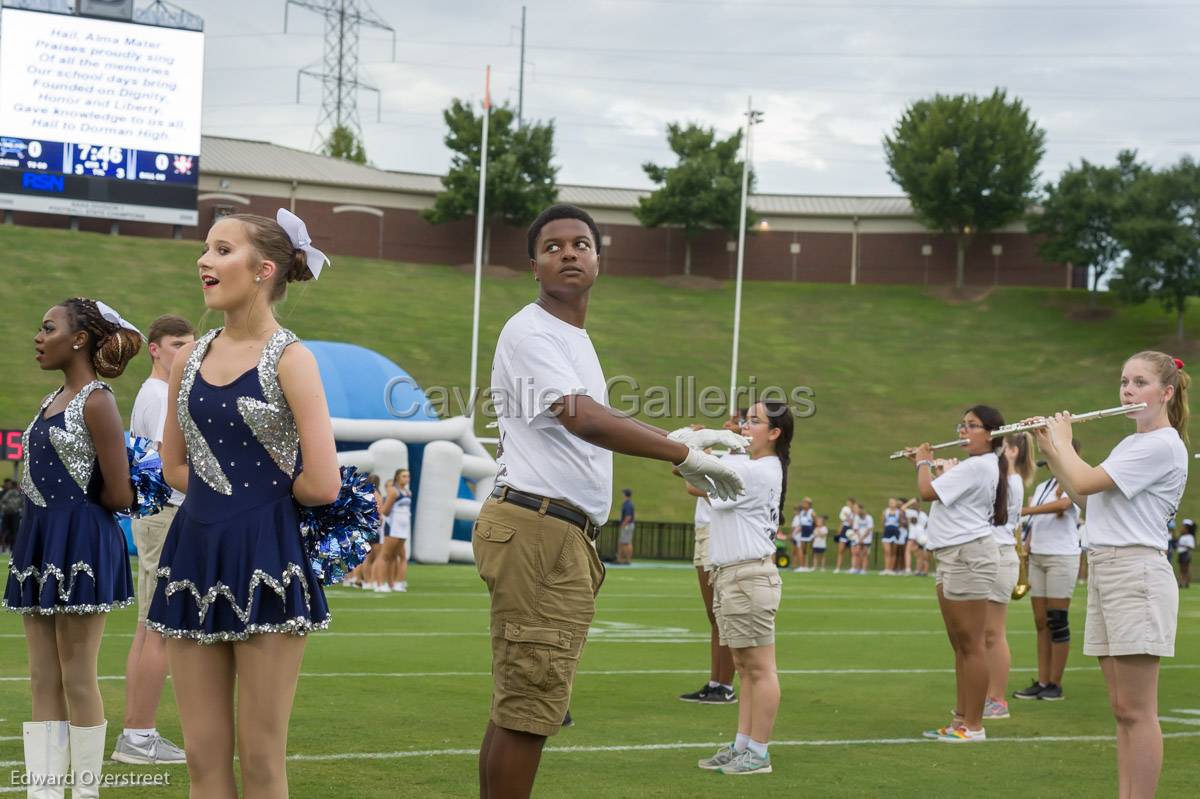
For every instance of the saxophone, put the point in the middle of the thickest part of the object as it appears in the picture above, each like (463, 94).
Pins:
(1022, 586)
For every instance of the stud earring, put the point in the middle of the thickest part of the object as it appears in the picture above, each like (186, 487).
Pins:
(258, 278)
(75, 346)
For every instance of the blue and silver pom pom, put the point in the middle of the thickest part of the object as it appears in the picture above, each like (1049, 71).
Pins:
(336, 536)
(150, 489)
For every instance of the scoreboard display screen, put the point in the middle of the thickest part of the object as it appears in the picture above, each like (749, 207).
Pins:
(99, 118)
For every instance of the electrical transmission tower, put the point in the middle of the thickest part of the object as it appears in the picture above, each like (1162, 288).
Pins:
(338, 70)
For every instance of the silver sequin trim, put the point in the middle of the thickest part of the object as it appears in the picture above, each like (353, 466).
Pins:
(296, 626)
(73, 442)
(201, 458)
(80, 567)
(259, 577)
(272, 421)
(28, 487)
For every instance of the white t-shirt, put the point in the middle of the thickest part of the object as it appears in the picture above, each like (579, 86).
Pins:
(820, 535)
(703, 512)
(744, 528)
(966, 497)
(1186, 542)
(1150, 472)
(864, 525)
(401, 516)
(796, 522)
(1006, 533)
(539, 360)
(150, 416)
(917, 529)
(1050, 534)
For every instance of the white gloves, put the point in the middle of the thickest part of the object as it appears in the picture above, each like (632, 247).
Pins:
(708, 474)
(703, 439)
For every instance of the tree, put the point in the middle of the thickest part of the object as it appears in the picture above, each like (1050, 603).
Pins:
(703, 191)
(520, 177)
(1079, 215)
(1161, 231)
(342, 143)
(966, 163)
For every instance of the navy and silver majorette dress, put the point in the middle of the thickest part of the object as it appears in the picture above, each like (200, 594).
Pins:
(69, 556)
(233, 563)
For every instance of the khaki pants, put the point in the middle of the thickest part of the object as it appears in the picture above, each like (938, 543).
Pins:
(148, 536)
(543, 575)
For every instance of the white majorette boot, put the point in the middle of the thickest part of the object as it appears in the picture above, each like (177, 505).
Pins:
(46, 758)
(87, 758)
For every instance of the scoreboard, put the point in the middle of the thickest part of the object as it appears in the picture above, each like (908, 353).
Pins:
(99, 118)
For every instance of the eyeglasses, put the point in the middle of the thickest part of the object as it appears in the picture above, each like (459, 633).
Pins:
(963, 427)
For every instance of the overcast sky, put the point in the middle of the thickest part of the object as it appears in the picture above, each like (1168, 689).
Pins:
(831, 76)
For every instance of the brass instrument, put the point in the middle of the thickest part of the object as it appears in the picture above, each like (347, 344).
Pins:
(1022, 586)
(1019, 427)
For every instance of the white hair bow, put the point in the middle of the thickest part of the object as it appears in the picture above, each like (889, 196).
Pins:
(298, 233)
(109, 314)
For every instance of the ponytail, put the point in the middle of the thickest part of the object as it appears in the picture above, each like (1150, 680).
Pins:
(993, 420)
(1023, 463)
(779, 417)
(1170, 373)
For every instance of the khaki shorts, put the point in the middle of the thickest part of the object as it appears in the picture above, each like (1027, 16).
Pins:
(1053, 576)
(148, 536)
(1132, 604)
(700, 555)
(543, 575)
(967, 571)
(1008, 571)
(745, 600)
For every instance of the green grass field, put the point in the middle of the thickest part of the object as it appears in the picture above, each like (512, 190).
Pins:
(888, 365)
(394, 698)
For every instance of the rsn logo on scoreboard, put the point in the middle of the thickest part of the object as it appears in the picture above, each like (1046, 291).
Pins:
(35, 181)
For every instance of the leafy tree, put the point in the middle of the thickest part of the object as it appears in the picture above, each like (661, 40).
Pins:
(520, 177)
(703, 191)
(342, 143)
(1079, 216)
(1161, 231)
(967, 163)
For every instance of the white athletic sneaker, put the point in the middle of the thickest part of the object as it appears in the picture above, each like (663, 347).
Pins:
(724, 756)
(383, 588)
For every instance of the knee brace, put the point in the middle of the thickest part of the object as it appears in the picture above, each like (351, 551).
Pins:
(1060, 626)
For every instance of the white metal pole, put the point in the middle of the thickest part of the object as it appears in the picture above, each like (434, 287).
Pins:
(741, 259)
(479, 221)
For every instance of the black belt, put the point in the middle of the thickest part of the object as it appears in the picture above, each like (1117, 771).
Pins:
(553, 508)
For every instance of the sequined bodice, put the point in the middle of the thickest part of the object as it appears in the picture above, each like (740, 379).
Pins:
(242, 444)
(60, 466)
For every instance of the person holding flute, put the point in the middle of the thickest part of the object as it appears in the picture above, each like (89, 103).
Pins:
(1133, 600)
(968, 498)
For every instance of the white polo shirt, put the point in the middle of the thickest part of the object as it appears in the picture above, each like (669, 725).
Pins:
(1005, 534)
(539, 360)
(966, 498)
(1150, 471)
(1050, 534)
(744, 528)
(150, 416)
(703, 512)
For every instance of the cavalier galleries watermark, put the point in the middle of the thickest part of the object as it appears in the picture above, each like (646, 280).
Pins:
(24, 779)
(684, 398)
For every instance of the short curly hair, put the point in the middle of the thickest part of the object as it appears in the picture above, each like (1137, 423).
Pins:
(561, 211)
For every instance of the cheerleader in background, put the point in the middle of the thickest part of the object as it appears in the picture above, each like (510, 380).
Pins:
(391, 569)
(747, 586)
(846, 518)
(1053, 566)
(891, 535)
(69, 566)
(967, 499)
(247, 437)
(805, 522)
(912, 513)
(1018, 452)
(1133, 600)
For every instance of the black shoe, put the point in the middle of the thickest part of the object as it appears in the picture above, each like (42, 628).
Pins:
(719, 696)
(1032, 692)
(567, 720)
(696, 696)
(1051, 693)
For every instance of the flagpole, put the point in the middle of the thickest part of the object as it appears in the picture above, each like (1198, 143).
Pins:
(751, 118)
(479, 221)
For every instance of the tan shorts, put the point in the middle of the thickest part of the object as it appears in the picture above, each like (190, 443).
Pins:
(967, 571)
(700, 555)
(1053, 576)
(1008, 571)
(745, 600)
(1133, 603)
(148, 536)
(543, 575)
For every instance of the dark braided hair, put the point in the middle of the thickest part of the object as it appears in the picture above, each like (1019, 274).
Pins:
(779, 417)
(110, 346)
(992, 419)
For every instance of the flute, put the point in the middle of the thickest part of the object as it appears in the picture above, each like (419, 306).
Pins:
(1021, 427)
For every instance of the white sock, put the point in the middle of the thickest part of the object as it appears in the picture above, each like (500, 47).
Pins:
(138, 737)
(727, 687)
(759, 750)
(714, 684)
(741, 742)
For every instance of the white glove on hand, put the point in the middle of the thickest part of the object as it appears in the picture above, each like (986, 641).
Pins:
(708, 474)
(703, 439)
